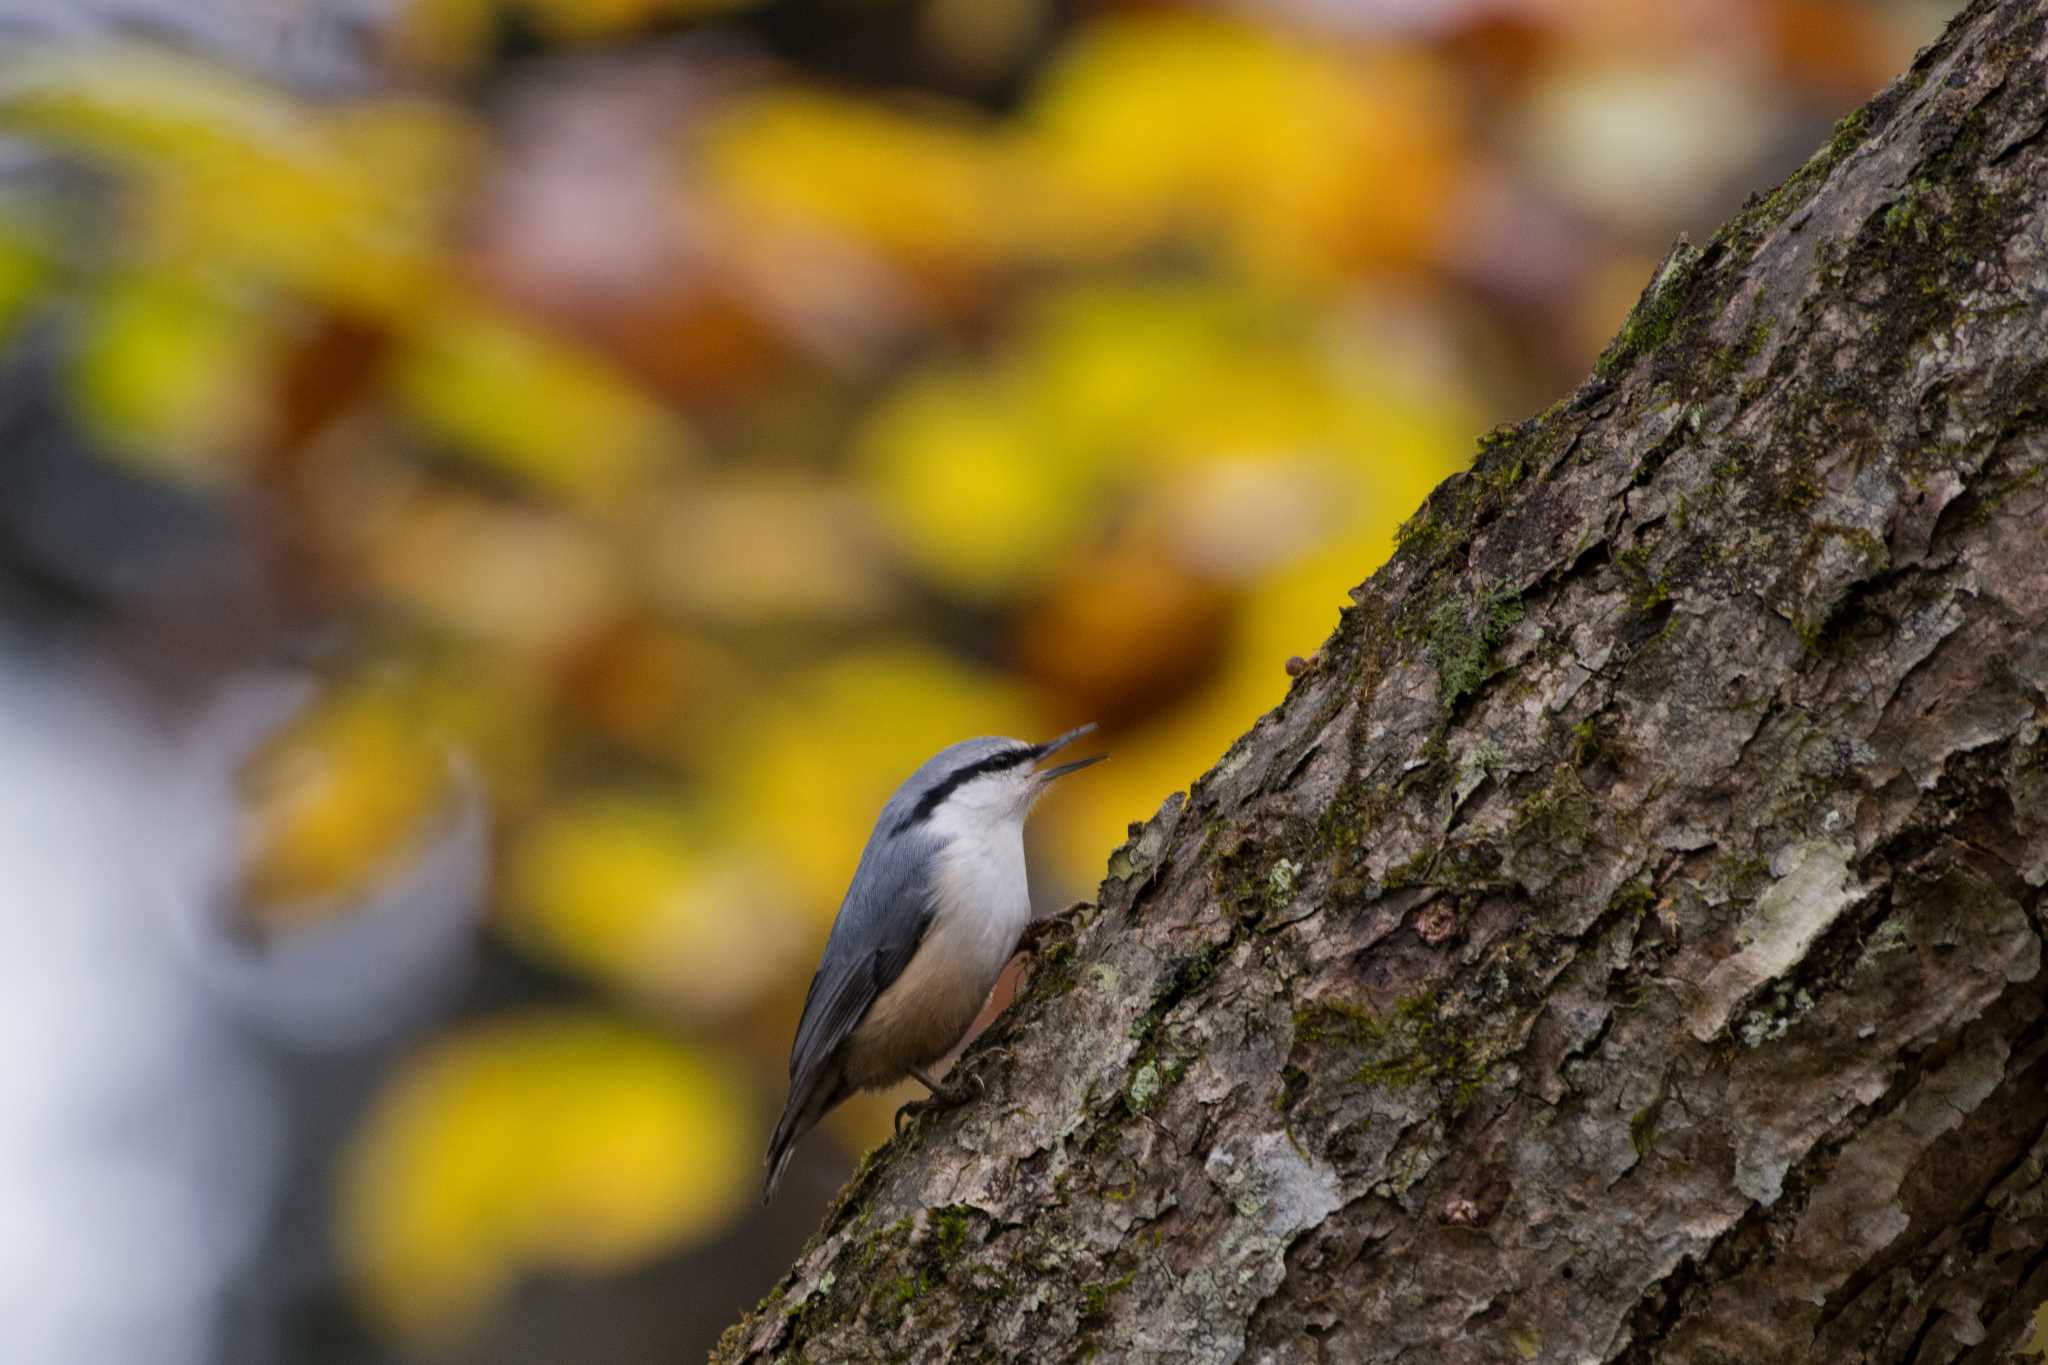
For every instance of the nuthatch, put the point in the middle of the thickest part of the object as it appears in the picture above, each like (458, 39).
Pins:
(936, 908)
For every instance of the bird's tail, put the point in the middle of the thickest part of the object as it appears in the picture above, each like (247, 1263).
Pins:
(807, 1104)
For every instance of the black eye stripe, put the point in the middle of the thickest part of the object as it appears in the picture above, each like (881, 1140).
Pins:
(952, 782)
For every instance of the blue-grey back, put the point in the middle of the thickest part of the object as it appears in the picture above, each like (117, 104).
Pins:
(888, 895)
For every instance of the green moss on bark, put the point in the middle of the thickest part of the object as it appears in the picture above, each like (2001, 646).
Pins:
(1461, 638)
(1413, 1046)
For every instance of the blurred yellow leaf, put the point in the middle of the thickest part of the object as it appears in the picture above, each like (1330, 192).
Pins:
(1150, 374)
(565, 1141)
(1306, 159)
(974, 492)
(635, 890)
(931, 192)
(353, 224)
(22, 268)
(2037, 1343)
(343, 205)
(535, 409)
(1252, 431)
(148, 105)
(334, 798)
(806, 775)
(173, 372)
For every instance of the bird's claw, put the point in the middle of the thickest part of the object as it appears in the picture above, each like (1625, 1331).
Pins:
(1036, 931)
(951, 1095)
(1033, 935)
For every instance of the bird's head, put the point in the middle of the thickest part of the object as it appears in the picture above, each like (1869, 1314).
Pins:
(987, 781)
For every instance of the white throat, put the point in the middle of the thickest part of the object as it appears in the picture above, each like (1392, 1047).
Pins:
(981, 898)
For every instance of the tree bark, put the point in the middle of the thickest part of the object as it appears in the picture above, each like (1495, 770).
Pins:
(1624, 943)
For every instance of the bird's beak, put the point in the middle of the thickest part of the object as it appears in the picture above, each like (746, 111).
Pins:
(1053, 746)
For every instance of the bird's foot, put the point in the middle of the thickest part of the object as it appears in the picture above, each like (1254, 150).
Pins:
(957, 1090)
(1035, 933)
(1042, 931)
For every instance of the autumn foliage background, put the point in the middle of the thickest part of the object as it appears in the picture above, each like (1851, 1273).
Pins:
(496, 492)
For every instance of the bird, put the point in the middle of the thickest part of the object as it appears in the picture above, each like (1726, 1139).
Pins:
(937, 906)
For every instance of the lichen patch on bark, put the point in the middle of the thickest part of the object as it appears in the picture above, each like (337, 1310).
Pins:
(1813, 887)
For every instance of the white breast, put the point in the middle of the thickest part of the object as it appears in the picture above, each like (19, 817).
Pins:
(982, 899)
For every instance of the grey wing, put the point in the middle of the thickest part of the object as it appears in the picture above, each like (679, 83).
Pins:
(880, 924)
(877, 933)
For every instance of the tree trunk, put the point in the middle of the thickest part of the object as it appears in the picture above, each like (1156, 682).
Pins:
(1624, 944)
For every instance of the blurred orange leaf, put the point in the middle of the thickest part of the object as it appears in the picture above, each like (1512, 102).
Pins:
(1124, 631)
(655, 689)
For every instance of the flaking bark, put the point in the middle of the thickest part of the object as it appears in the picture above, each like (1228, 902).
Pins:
(1624, 943)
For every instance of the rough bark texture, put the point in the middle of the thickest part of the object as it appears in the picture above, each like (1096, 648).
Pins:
(1625, 942)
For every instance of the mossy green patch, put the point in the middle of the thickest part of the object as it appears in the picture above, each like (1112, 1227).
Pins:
(1414, 871)
(1346, 820)
(1096, 1294)
(949, 1224)
(901, 1264)
(900, 1292)
(1649, 322)
(1587, 745)
(1797, 188)
(1732, 359)
(1642, 1130)
(1461, 637)
(1460, 503)
(1908, 215)
(1413, 1046)
(1560, 815)
(1634, 900)
(1649, 589)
